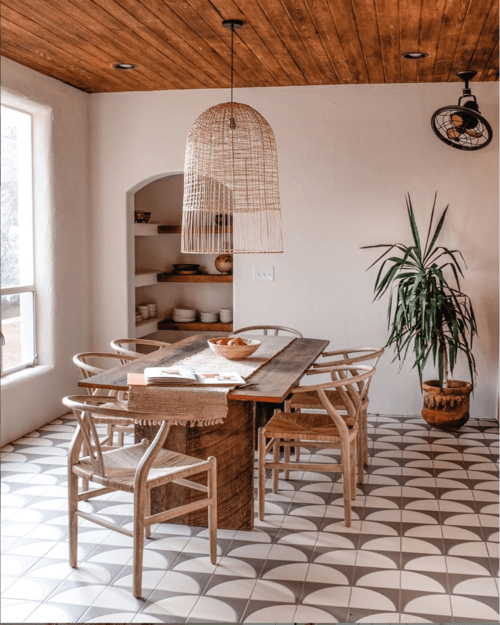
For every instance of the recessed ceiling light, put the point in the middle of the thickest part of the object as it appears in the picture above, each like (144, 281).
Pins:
(124, 66)
(415, 55)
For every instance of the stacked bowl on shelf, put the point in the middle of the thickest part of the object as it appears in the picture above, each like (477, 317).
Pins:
(145, 311)
(226, 315)
(184, 315)
(209, 317)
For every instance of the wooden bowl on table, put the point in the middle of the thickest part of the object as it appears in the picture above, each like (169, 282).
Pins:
(239, 351)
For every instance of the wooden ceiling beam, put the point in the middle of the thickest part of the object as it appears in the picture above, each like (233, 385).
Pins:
(471, 32)
(71, 67)
(181, 44)
(329, 35)
(184, 70)
(87, 14)
(430, 33)
(256, 33)
(482, 53)
(215, 44)
(369, 35)
(410, 14)
(244, 58)
(180, 37)
(387, 12)
(490, 72)
(281, 25)
(453, 22)
(345, 22)
(78, 41)
(306, 29)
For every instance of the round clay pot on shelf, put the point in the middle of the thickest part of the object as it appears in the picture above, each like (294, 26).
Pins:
(224, 264)
(446, 409)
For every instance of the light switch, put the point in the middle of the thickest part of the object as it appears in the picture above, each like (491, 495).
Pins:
(263, 273)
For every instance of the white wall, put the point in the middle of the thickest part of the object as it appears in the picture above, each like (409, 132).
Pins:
(32, 397)
(347, 156)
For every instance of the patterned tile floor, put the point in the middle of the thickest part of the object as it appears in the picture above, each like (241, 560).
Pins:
(423, 547)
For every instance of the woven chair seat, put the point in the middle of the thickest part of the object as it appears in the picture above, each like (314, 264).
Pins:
(311, 400)
(303, 426)
(121, 464)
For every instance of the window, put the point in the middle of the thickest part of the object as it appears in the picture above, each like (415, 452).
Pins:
(17, 270)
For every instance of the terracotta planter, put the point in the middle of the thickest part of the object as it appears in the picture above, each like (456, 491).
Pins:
(447, 409)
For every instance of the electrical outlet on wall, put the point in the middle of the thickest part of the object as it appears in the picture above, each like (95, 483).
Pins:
(263, 273)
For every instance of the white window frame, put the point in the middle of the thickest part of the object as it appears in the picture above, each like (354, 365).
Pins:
(42, 208)
(26, 201)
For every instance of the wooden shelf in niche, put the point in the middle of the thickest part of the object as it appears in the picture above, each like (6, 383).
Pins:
(148, 326)
(145, 277)
(163, 229)
(151, 230)
(197, 277)
(197, 326)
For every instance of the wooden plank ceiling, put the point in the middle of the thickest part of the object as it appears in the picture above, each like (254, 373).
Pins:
(180, 44)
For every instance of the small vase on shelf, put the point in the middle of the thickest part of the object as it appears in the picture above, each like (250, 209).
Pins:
(224, 264)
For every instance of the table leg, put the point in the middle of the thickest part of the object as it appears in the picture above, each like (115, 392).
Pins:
(232, 443)
(263, 413)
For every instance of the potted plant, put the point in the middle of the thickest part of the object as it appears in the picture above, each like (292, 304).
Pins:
(431, 316)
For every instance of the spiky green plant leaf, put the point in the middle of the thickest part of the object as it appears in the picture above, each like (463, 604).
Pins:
(425, 312)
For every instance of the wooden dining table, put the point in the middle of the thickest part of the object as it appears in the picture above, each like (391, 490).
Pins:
(233, 442)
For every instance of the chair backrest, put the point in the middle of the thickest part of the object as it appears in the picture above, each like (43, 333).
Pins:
(350, 383)
(351, 355)
(354, 355)
(87, 408)
(274, 330)
(118, 344)
(86, 362)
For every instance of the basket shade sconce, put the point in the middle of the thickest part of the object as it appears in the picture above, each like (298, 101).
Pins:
(231, 191)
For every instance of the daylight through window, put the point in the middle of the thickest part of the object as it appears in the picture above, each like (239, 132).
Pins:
(17, 275)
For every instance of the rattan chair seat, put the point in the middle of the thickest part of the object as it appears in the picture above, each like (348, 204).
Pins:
(121, 464)
(303, 426)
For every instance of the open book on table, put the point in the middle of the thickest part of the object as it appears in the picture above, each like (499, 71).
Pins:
(180, 376)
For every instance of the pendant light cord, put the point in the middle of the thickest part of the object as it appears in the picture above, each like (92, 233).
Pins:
(232, 61)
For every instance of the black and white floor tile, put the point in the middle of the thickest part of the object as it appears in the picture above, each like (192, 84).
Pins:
(423, 547)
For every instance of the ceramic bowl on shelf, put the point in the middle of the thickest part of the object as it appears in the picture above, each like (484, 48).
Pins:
(184, 315)
(144, 311)
(209, 317)
(243, 348)
(141, 217)
(185, 269)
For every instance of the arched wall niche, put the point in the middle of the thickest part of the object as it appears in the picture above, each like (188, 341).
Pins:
(162, 196)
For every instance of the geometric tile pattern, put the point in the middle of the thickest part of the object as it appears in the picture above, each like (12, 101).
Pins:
(422, 548)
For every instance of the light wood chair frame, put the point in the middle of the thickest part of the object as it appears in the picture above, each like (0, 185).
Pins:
(372, 354)
(117, 345)
(266, 330)
(88, 370)
(86, 409)
(351, 384)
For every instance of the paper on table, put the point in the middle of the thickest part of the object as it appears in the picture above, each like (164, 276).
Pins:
(169, 375)
(180, 376)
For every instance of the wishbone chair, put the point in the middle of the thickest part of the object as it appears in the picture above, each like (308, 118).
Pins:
(356, 355)
(324, 431)
(134, 469)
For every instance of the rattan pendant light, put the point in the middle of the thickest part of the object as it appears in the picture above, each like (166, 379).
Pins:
(231, 192)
